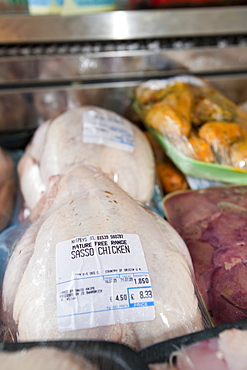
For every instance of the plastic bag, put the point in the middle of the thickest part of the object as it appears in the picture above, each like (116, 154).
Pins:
(40, 357)
(170, 177)
(203, 132)
(95, 136)
(95, 264)
(222, 348)
(100, 355)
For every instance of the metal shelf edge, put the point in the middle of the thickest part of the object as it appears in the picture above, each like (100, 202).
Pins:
(124, 25)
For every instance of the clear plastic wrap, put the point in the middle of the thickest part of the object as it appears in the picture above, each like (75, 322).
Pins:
(213, 224)
(169, 176)
(63, 355)
(202, 131)
(48, 357)
(221, 348)
(95, 264)
(91, 135)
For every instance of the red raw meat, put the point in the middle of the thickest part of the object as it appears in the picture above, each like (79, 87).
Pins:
(213, 223)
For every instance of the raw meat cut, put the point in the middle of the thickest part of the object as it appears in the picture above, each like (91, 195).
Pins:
(7, 188)
(85, 202)
(40, 358)
(213, 223)
(226, 352)
(63, 142)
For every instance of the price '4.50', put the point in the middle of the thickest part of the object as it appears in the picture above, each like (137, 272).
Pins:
(121, 297)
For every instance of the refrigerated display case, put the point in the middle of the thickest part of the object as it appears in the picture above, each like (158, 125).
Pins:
(50, 63)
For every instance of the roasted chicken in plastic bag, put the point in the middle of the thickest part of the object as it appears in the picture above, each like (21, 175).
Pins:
(94, 136)
(190, 113)
(95, 264)
(169, 176)
(221, 135)
(169, 111)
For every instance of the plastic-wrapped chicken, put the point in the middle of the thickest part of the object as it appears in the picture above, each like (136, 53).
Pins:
(200, 129)
(70, 355)
(95, 264)
(170, 177)
(7, 188)
(40, 358)
(95, 136)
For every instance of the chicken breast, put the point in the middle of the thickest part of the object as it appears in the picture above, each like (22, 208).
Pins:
(7, 188)
(101, 267)
(39, 358)
(97, 137)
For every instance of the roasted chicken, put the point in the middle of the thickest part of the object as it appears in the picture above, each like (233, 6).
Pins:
(201, 148)
(220, 135)
(195, 118)
(170, 177)
(170, 114)
(238, 154)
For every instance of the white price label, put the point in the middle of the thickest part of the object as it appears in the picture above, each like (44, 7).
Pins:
(102, 280)
(107, 129)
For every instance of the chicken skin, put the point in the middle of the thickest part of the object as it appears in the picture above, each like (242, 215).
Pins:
(220, 135)
(170, 112)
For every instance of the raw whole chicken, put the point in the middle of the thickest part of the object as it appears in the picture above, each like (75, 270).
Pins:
(7, 188)
(40, 358)
(93, 135)
(95, 264)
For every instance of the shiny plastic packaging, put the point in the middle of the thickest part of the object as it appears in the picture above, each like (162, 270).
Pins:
(70, 355)
(219, 348)
(39, 357)
(94, 136)
(170, 177)
(202, 131)
(96, 265)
